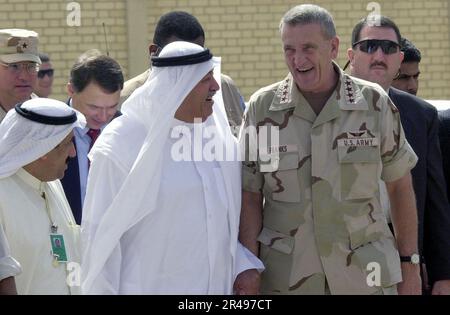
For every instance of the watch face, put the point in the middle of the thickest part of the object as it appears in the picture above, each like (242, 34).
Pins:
(415, 259)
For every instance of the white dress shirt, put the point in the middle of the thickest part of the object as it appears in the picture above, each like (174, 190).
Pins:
(82, 144)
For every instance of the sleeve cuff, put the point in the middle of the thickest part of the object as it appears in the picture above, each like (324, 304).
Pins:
(9, 267)
(246, 260)
(405, 161)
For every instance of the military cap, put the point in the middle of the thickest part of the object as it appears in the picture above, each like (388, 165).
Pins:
(17, 45)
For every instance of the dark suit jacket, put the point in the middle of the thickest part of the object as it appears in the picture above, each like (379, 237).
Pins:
(421, 125)
(71, 182)
(444, 137)
(71, 185)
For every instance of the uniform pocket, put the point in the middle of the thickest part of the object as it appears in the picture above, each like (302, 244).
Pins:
(276, 240)
(381, 257)
(372, 244)
(365, 229)
(276, 249)
(282, 182)
(360, 171)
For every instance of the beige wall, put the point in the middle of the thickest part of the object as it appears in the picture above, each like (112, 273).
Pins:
(243, 32)
(64, 43)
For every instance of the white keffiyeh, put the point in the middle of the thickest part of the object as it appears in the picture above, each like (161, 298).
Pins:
(23, 141)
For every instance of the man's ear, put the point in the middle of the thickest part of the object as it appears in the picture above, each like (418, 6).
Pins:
(152, 49)
(350, 54)
(334, 47)
(70, 89)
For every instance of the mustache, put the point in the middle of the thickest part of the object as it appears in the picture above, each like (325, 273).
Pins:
(378, 63)
(211, 94)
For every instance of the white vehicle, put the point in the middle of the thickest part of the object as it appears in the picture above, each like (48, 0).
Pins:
(440, 104)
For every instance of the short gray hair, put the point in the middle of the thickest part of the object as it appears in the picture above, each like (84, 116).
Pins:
(308, 14)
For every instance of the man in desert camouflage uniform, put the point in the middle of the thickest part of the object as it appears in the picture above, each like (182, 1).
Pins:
(321, 229)
(19, 65)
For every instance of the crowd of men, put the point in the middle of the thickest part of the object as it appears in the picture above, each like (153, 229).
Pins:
(300, 191)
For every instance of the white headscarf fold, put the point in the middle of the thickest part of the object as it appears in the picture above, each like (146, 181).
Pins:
(154, 105)
(23, 141)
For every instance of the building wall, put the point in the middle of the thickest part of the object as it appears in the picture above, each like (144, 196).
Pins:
(243, 32)
(65, 43)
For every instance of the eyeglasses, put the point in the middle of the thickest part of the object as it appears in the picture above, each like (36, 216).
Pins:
(16, 68)
(43, 73)
(370, 46)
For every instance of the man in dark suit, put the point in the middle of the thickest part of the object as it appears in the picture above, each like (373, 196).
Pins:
(94, 89)
(408, 76)
(444, 137)
(375, 56)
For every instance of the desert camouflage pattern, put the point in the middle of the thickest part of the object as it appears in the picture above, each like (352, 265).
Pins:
(322, 219)
(18, 41)
(2, 114)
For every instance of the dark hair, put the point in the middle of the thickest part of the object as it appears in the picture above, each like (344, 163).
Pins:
(383, 21)
(180, 24)
(412, 54)
(101, 69)
(44, 57)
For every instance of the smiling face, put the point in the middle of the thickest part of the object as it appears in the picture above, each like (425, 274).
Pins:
(199, 103)
(309, 56)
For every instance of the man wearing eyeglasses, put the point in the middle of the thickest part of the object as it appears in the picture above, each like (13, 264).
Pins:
(44, 77)
(375, 56)
(19, 64)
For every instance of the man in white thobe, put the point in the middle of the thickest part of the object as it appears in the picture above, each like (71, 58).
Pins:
(9, 267)
(35, 143)
(160, 217)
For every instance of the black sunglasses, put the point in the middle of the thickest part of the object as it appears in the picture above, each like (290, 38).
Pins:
(370, 46)
(43, 73)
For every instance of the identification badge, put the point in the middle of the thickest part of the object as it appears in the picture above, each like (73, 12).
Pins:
(58, 248)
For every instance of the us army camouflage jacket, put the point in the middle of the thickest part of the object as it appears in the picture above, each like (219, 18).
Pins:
(322, 221)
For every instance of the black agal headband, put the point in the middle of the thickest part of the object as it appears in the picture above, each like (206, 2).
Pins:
(182, 60)
(43, 119)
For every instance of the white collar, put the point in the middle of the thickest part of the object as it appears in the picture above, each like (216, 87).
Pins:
(30, 179)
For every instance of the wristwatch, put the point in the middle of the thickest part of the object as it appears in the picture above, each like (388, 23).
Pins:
(413, 259)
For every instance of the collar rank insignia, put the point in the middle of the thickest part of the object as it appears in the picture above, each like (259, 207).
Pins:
(349, 93)
(283, 92)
